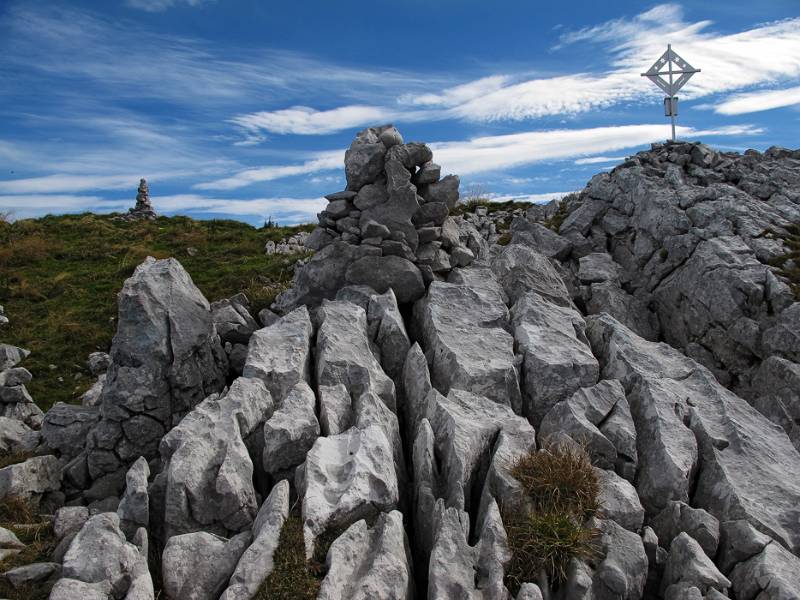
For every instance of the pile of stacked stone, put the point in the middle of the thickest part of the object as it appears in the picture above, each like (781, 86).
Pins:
(294, 244)
(491, 225)
(389, 229)
(143, 211)
(3, 317)
(15, 401)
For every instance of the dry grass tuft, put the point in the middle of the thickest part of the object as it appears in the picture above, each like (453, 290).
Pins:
(551, 527)
(559, 479)
(36, 532)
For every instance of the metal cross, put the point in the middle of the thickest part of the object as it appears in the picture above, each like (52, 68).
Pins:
(670, 85)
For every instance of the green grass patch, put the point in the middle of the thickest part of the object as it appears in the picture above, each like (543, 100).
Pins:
(550, 528)
(36, 532)
(60, 275)
(470, 204)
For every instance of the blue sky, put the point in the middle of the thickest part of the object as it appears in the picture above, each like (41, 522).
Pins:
(243, 108)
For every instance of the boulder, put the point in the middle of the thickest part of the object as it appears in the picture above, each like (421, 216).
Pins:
(382, 273)
(291, 431)
(347, 477)
(165, 358)
(772, 573)
(233, 321)
(459, 327)
(544, 240)
(16, 437)
(557, 359)
(444, 191)
(100, 555)
(207, 473)
(597, 267)
(619, 501)
(344, 356)
(622, 572)
(31, 478)
(776, 394)
(280, 355)
(679, 517)
(521, 269)
(256, 563)
(69, 520)
(687, 564)
(98, 363)
(197, 566)
(390, 335)
(32, 574)
(609, 297)
(11, 356)
(363, 162)
(134, 506)
(370, 562)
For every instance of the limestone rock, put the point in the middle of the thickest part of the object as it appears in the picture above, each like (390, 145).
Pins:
(233, 321)
(459, 327)
(291, 430)
(280, 355)
(208, 473)
(197, 566)
(66, 426)
(382, 273)
(679, 517)
(390, 335)
(16, 437)
(134, 507)
(520, 269)
(688, 565)
(256, 563)
(347, 477)
(619, 501)
(370, 562)
(35, 476)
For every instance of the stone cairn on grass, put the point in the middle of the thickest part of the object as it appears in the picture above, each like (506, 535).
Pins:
(143, 211)
(389, 229)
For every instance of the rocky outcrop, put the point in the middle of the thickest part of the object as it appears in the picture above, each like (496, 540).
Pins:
(165, 358)
(143, 210)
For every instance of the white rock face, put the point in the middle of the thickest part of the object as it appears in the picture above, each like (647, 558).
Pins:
(35, 476)
(687, 422)
(208, 473)
(619, 501)
(461, 331)
(280, 354)
(521, 270)
(256, 564)
(197, 566)
(291, 430)
(134, 507)
(370, 562)
(344, 355)
(347, 477)
(557, 357)
(100, 555)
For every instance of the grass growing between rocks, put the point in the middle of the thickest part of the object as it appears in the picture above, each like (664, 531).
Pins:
(36, 532)
(551, 528)
(470, 204)
(788, 264)
(60, 275)
(559, 217)
(293, 577)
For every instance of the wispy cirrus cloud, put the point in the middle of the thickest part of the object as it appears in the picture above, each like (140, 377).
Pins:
(759, 101)
(162, 5)
(765, 54)
(596, 160)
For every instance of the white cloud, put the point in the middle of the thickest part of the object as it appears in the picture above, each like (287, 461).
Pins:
(162, 5)
(307, 121)
(535, 198)
(324, 161)
(594, 160)
(68, 183)
(515, 150)
(288, 211)
(759, 101)
(34, 205)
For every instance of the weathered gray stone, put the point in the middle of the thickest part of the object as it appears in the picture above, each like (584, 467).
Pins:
(8, 539)
(99, 554)
(197, 566)
(69, 520)
(280, 355)
(32, 574)
(679, 517)
(520, 269)
(208, 473)
(347, 477)
(739, 541)
(688, 564)
(37, 475)
(17, 437)
(619, 501)
(459, 327)
(11, 356)
(622, 572)
(69, 589)
(370, 562)
(444, 191)
(291, 430)
(776, 392)
(428, 173)
(597, 267)
(15, 376)
(544, 240)
(363, 162)
(772, 574)
(344, 356)
(66, 426)
(384, 272)
(256, 563)
(390, 336)
(165, 358)
(557, 359)
(233, 321)
(134, 507)
(609, 297)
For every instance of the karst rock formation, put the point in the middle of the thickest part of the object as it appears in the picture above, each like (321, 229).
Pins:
(652, 318)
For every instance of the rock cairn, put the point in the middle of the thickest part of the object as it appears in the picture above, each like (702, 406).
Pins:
(143, 211)
(294, 244)
(15, 401)
(389, 229)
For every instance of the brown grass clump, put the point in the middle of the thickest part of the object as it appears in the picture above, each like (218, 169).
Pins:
(292, 578)
(36, 532)
(559, 479)
(551, 528)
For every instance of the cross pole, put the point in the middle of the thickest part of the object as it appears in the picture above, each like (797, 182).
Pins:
(670, 85)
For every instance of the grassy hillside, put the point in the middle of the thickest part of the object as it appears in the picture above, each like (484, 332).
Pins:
(59, 278)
